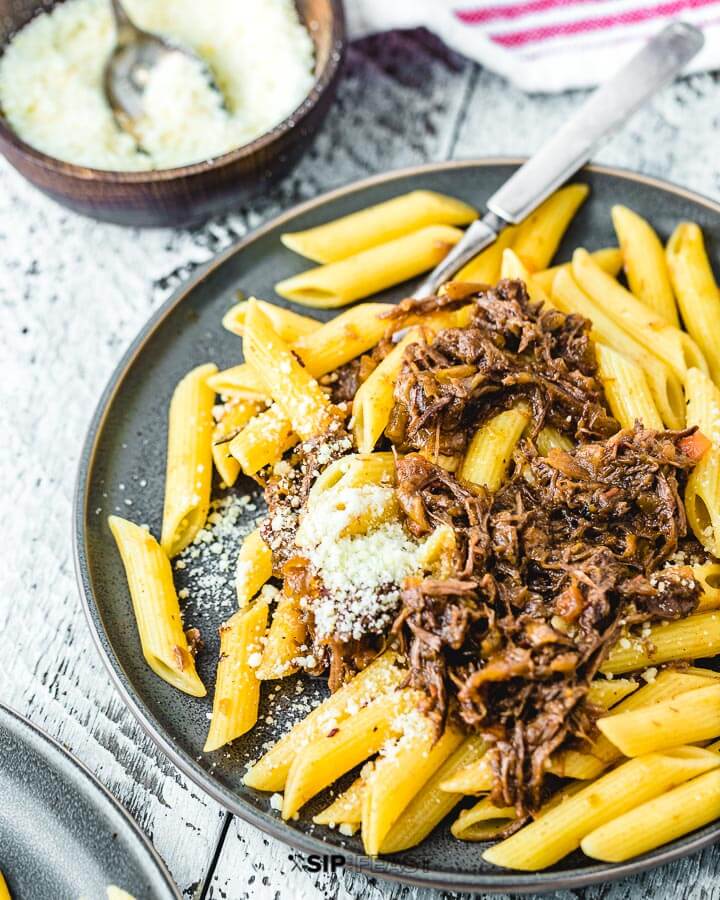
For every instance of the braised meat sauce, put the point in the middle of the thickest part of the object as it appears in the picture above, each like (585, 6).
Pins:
(547, 571)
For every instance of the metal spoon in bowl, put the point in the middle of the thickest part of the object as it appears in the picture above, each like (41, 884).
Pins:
(128, 68)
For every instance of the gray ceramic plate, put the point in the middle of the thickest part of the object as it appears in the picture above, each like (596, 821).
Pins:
(124, 459)
(62, 835)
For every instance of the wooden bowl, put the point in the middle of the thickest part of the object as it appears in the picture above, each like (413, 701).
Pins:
(187, 194)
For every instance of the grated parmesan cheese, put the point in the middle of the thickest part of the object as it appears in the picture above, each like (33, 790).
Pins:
(361, 573)
(51, 78)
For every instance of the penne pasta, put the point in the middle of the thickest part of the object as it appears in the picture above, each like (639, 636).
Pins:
(551, 439)
(702, 493)
(288, 325)
(476, 778)
(662, 819)
(237, 689)
(263, 440)
(561, 829)
(293, 389)
(645, 265)
(431, 804)
(374, 398)
(665, 387)
(606, 693)
(380, 678)
(344, 746)
(378, 224)
(240, 383)
(485, 267)
(189, 460)
(490, 451)
(626, 389)
(343, 338)
(513, 267)
(353, 471)
(697, 291)
(601, 752)
(539, 235)
(609, 259)
(156, 607)
(347, 807)
(284, 639)
(4, 890)
(693, 717)
(233, 420)
(253, 569)
(708, 574)
(371, 271)
(482, 822)
(673, 347)
(399, 774)
(695, 637)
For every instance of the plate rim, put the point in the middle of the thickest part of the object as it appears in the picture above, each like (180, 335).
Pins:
(386, 868)
(24, 723)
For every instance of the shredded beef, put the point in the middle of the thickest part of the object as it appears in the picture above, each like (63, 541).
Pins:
(512, 350)
(548, 571)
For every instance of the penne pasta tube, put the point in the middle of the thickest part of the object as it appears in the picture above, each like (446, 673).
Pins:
(702, 493)
(284, 639)
(476, 778)
(293, 389)
(4, 890)
(399, 774)
(431, 804)
(156, 607)
(189, 460)
(482, 822)
(561, 829)
(241, 382)
(234, 419)
(347, 807)
(609, 259)
(692, 717)
(645, 264)
(343, 338)
(253, 569)
(353, 471)
(665, 387)
(674, 347)
(378, 224)
(659, 821)
(374, 398)
(697, 291)
(263, 440)
(695, 637)
(539, 236)
(371, 271)
(514, 267)
(237, 689)
(289, 325)
(380, 678)
(485, 267)
(344, 746)
(626, 389)
(490, 451)
(550, 439)
(708, 574)
(601, 752)
(606, 693)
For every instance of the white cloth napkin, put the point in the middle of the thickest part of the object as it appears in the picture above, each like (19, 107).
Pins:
(544, 45)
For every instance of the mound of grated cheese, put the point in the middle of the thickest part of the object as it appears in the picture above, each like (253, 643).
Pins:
(51, 77)
(361, 573)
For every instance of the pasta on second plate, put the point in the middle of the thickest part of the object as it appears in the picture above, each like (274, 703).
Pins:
(492, 524)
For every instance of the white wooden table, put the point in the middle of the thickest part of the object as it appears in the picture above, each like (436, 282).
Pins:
(73, 293)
